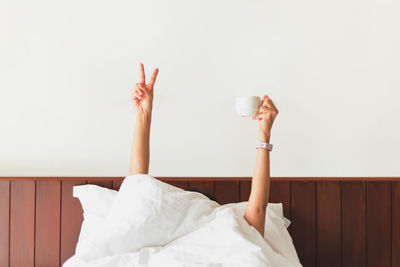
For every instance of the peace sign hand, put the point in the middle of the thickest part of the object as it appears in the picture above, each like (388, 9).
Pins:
(143, 94)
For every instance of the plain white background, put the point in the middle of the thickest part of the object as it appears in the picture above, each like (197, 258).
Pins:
(68, 69)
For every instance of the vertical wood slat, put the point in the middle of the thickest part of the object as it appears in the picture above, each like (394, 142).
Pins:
(379, 224)
(280, 193)
(226, 191)
(117, 184)
(303, 227)
(47, 238)
(245, 189)
(395, 223)
(71, 219)
(354, 220)
(4, 222)
(103, 183)
(22, 223)
(206, 186)
(353, 224)
(181, 184)
(328, 223)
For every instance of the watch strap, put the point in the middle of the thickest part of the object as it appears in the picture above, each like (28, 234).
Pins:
(264, 146)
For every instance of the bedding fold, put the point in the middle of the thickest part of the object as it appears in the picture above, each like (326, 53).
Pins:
(151, 223)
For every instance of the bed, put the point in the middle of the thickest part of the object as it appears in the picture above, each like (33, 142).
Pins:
(335, 221)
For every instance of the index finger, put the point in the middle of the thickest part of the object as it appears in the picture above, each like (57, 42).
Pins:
(142, 77)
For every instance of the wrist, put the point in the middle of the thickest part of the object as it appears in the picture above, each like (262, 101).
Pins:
(264, 138)
(145, 115)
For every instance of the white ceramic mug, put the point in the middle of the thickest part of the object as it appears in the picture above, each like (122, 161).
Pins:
(248, 106)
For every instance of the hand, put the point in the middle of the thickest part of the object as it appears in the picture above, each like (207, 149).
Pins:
(143, 94)
(266, 116)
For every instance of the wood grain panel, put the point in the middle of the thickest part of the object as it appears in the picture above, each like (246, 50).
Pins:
(353, 224)
(22, 223)
(103, 183)
(379, 224)
(226, 191)
(4, 222)
(303, 227)
(181, 184)
(47, 239)
(329, 224)
(71, 219)
(395, 223)
(245, 189)
(117, 184)
(370, 217)
(206, 186)
(280, 193)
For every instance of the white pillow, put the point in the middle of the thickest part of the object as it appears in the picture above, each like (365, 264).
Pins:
(98, 202)
(147, 212)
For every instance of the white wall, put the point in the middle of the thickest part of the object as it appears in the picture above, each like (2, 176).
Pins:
(68, 70)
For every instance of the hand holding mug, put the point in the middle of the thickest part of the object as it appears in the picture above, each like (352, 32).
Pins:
(266, 116)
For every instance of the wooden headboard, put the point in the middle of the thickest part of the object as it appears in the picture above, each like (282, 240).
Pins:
(335, 221)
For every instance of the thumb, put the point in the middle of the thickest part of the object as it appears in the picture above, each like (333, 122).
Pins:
(255, 117)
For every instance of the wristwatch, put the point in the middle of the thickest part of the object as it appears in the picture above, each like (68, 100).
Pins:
(264, 146)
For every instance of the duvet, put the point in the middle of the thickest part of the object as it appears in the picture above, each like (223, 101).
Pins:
(150, 223)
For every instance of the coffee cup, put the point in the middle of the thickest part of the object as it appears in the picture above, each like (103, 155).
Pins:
(247, 106)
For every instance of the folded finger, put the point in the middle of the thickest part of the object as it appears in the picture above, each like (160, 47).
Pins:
(261, 116)
(138, 96)
(139, 92)
(270, 104)
(135, 93)
(264, 109)
(141, 87)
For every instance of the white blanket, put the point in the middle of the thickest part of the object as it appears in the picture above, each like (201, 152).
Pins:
(154, 224)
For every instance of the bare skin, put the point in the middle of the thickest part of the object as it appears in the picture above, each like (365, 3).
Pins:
(143, 99)
(258, 200)
(140, 153)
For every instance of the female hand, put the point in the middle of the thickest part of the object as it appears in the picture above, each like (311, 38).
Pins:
(143, 94)
(266, 116)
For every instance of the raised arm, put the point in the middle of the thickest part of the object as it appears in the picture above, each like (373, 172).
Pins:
(258, 200)
(143, 99)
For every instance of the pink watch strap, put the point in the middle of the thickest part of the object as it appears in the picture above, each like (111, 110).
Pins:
(264, 146)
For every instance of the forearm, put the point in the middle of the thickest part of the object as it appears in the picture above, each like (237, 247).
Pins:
(261, 178)
(140, 152)
(258, 200)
